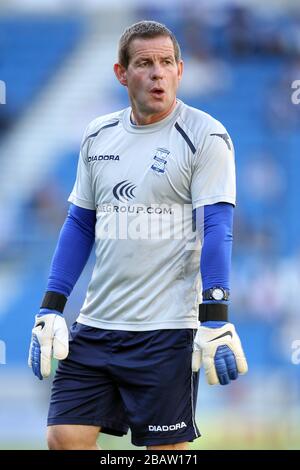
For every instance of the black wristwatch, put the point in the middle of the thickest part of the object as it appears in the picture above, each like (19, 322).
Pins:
(216, 293)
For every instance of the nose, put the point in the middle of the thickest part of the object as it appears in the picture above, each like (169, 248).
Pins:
(156, 71)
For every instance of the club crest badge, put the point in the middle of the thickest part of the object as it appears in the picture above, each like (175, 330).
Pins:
(160, 160)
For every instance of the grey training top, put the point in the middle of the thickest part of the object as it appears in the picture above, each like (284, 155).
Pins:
(143, 181)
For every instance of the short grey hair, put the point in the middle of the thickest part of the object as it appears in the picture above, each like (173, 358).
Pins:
(144, 29)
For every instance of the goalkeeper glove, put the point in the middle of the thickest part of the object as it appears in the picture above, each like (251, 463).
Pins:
(49, 337)
(218, 347)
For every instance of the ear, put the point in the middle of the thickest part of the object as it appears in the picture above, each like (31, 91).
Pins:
(121, 74)
(180, 70)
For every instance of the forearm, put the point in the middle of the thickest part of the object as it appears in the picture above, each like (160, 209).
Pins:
(217, 246)
(215, 262)
(72, 251)
(217, 345)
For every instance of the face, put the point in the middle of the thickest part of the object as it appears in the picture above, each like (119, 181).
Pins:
(152, 78)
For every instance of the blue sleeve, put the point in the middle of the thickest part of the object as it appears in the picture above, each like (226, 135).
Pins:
(215, 263)
(73, 249)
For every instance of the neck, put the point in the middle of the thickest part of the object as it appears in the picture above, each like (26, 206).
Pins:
(141, 119)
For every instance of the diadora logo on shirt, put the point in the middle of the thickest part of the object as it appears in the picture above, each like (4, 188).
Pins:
(124, 191)
(171, 427)
(97, 158)
(160, 160)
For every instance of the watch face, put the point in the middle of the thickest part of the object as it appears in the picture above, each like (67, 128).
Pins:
(217, 294)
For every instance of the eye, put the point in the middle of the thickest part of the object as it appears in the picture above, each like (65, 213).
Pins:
(144, 63)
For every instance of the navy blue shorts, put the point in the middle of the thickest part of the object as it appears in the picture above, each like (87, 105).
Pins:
(126, 379)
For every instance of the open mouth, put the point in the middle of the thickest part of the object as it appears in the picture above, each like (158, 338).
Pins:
(157, 92)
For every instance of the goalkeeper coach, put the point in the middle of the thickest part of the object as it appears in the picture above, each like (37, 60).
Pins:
(154, 311)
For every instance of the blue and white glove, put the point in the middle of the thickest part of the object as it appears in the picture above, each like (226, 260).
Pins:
(49, 338)
(218, 348)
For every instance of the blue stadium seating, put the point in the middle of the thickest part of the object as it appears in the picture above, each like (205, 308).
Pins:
(31, 50)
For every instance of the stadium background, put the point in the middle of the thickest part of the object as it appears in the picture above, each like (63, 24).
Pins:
(241, 58)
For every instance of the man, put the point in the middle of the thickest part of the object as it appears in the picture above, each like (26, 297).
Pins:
(136, 347)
